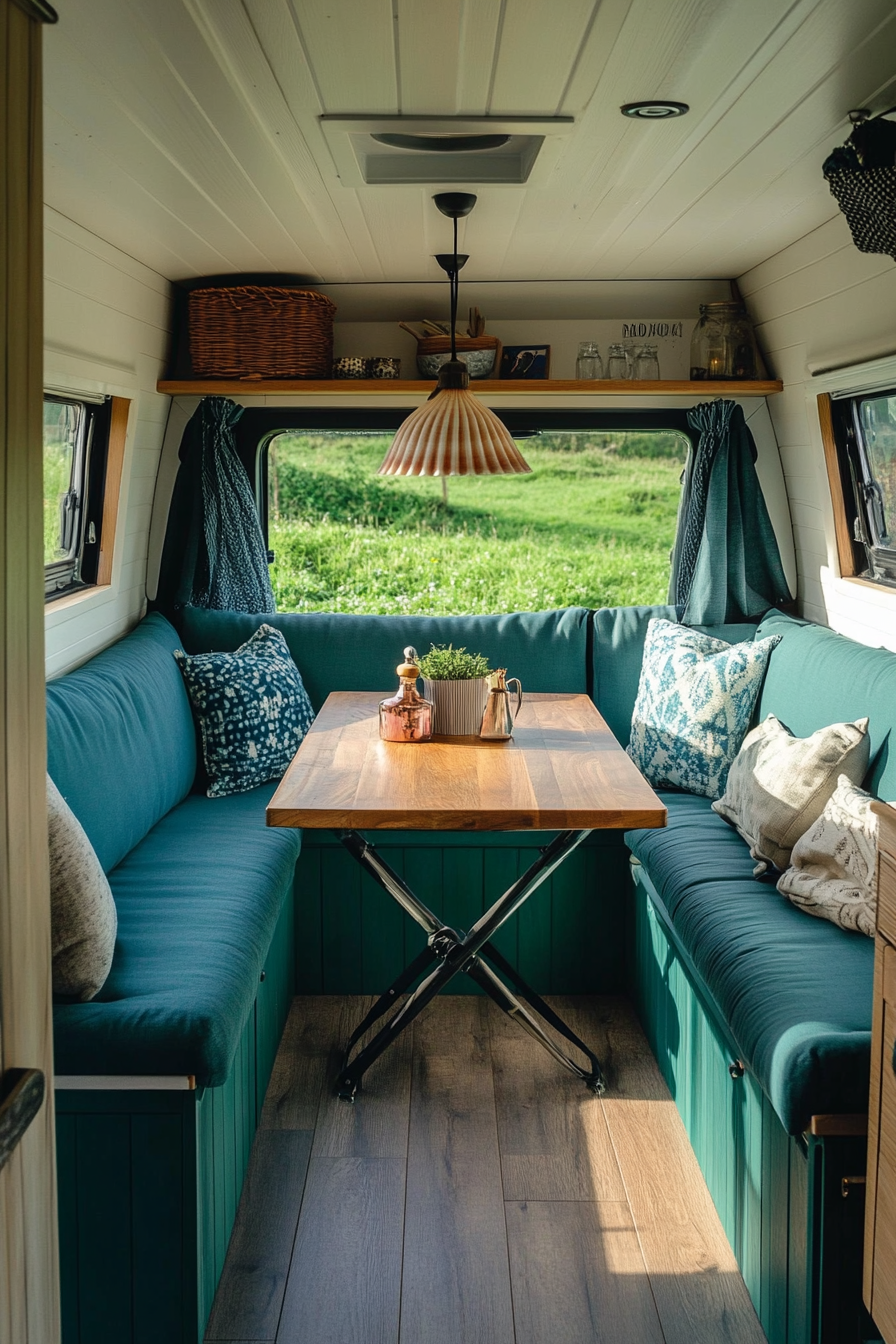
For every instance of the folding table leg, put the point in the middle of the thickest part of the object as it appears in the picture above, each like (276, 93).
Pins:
(457, 954)
(510, 1004)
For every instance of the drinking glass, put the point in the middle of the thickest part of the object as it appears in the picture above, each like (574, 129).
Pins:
(618, 364)
(647, 364)
(589, 365)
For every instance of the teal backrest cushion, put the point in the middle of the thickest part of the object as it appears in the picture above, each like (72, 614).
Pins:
(343, 652)
(619, 635)
(121, 746)
(816, 677)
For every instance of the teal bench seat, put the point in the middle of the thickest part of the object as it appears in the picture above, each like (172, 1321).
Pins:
(759, 1014)
(794, 991)
(198, 901)
(160, 1079)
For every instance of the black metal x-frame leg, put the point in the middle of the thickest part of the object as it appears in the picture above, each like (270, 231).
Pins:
(455, 953)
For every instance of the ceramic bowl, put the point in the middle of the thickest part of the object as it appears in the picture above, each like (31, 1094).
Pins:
(479, 363)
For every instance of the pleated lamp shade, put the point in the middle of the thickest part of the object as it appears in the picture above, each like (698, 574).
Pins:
(453, 434)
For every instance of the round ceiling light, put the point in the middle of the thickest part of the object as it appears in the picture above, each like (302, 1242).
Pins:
(654, 109)
(442, 144)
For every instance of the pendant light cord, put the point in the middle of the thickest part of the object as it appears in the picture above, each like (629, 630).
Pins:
(453, 280)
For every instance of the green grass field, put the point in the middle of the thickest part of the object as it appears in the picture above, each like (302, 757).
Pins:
(592, 526)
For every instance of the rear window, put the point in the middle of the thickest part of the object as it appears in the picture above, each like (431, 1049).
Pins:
(593, 525)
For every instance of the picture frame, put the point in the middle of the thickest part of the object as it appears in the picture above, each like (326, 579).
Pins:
(525, 361)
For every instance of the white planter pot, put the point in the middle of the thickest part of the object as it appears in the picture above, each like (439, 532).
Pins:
(457, 706)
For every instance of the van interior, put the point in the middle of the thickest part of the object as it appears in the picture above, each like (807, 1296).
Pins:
(655, 876)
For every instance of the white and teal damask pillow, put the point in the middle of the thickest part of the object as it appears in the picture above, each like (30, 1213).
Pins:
(695, 701)
(253, 710)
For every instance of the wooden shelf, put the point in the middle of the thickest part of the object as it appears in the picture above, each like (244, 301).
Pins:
(260, 387)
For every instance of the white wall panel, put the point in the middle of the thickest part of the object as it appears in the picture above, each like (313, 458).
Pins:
(822, 303)
(106, 330)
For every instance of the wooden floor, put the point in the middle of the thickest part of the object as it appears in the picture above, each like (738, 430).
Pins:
(475, 1194)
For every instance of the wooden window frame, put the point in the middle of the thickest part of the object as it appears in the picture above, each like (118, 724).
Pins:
(118, 435)
(859, 555)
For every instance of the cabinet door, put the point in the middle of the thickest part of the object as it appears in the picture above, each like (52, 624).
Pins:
(882, 1287)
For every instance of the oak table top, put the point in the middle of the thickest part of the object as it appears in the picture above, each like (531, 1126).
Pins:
(562, 770)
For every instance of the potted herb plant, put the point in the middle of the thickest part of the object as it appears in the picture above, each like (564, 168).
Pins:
(457, 684)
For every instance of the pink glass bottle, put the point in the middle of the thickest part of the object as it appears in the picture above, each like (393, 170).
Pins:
(406, 716)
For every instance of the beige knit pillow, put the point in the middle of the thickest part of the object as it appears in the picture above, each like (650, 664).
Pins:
(834, 873)
(778, 784)
(83, 917)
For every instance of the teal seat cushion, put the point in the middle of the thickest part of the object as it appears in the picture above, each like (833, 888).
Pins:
(816, 677)
(794, 991)
(344, 652)
(618, 652)
(121, 746)
(198, 900)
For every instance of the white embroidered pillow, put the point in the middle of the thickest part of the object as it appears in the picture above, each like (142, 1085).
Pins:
(695, 701)
(779, 784)
(834, 873)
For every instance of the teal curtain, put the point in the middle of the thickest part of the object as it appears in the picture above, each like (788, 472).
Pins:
(214, 553)
(726, 565)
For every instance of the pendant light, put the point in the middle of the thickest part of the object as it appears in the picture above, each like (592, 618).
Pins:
(453, 434)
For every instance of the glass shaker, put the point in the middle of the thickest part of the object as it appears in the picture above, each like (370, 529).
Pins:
(406, 716)
(617, 364)
(589, 365)
(647, 364)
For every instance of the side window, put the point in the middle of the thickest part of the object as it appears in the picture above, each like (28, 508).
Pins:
(864, 431)
(76, 441)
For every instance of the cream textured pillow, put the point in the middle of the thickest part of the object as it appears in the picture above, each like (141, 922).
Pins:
(779, 784)
(834, 873)
(82, 910)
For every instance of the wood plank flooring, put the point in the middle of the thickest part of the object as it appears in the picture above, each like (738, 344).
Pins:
(476, 1193)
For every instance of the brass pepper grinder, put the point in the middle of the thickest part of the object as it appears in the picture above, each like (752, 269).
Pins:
(406, 716)
(498, 719)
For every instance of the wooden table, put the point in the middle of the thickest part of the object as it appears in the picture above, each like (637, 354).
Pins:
(562, 771)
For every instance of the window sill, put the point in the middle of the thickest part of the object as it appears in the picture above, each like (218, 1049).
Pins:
(59, 608)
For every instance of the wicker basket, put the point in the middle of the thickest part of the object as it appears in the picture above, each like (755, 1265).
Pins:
(261, 331)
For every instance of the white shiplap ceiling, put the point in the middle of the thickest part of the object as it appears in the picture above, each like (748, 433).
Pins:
(187, 132)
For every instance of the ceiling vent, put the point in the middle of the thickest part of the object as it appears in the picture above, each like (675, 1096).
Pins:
(412, 151)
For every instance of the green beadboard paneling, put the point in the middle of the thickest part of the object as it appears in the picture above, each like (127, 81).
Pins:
(776, 1159)
(309, 976)
(340, 885)
(534, 926)
(104, 1229)
(500, 869)
(567, 938)
(67, 1200)
(382, 928)
(157, 1179)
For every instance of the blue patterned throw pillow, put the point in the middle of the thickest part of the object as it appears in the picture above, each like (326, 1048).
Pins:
(253, 710)
(695, 701)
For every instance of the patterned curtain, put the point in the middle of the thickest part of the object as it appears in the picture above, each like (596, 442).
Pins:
(214, 552)
(726, 565)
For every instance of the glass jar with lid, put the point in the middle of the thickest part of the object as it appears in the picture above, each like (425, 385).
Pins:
(723, 344)
(589, 365)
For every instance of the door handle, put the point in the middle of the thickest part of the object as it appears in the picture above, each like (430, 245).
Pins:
(21, 1097)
